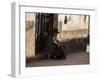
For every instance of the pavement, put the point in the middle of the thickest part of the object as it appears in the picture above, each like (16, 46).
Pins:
(76, 58)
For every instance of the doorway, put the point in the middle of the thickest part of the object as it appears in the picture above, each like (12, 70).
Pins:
(44, 27)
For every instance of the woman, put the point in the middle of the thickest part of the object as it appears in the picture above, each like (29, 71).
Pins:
(54, 47)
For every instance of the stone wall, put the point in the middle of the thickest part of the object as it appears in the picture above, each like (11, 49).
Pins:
(73, 34)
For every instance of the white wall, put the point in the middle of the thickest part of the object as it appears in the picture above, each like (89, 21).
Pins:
(5, 39)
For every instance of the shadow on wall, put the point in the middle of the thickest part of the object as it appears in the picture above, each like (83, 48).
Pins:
(75, 45)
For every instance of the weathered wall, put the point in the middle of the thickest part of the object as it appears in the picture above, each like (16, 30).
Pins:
(74, 22)
(76, 27)
(30, 35)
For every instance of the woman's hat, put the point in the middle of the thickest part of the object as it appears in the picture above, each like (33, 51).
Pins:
(55, 30)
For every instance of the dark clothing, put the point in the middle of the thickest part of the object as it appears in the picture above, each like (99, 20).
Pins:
(54, 51)
(50, 46)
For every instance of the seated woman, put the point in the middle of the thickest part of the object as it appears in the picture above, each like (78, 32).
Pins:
(54, 47)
